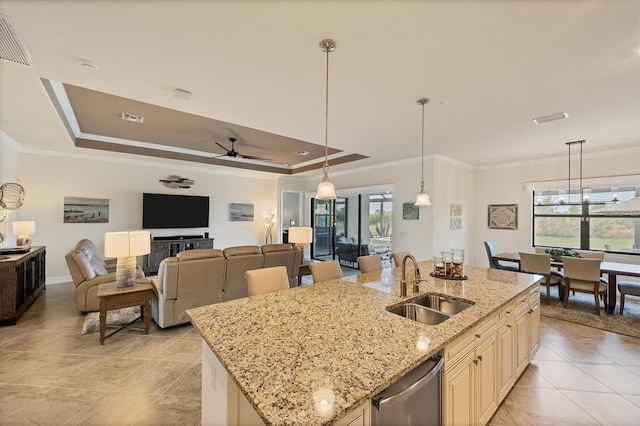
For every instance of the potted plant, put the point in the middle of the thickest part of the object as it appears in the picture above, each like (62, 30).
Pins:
(556, 253)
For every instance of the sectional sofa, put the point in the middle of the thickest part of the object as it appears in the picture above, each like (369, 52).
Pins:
(205, 276)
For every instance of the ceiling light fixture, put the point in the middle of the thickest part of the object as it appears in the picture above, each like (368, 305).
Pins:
(326, 190)
(581, 189)
(552, 117)
(423, 198)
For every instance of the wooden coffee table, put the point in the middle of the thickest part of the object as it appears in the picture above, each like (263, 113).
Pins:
(113, 297)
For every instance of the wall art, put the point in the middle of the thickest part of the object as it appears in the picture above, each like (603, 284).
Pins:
(503, 216)
(86, 210)
(241, 212)
(410, 211)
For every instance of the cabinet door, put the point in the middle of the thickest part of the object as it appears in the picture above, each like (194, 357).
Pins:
(522, 340)
(534, 328)
(506, 359)
(459, 392)
(487, 383)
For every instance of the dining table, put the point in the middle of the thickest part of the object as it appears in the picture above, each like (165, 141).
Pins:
(612, 269)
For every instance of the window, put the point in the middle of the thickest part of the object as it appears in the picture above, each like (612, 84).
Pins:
(605, 218)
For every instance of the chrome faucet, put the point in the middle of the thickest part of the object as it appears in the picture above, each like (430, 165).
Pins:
(417, 278)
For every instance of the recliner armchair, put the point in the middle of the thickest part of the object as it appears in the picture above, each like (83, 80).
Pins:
(89, 270)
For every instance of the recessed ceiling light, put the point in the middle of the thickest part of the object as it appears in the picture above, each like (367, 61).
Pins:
(302, 152)
(552, 117)
(182, 94)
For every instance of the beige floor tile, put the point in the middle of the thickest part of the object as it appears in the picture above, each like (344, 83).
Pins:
(114, 408)
(44, 405)
(566, 376)
(183, 349)
(546, 354)
(107, 374)
(550, 406)
(147, 347)
(615, 377)
(189, 384)
(607, 409)
(44, 369)
(168, 410)
(510, 414)
(156, 377)
(531, 379)
(573, 351)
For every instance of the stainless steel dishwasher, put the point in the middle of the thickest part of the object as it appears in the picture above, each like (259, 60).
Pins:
(415, 399)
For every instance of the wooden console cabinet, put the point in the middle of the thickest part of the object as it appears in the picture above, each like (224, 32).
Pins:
(22, 279)
(161, 249)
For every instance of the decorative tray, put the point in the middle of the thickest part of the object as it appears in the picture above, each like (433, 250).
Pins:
(448, 277)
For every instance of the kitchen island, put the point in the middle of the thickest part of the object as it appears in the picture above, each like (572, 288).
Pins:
(281, 350)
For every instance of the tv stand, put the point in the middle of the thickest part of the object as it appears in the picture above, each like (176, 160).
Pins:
(161, 248)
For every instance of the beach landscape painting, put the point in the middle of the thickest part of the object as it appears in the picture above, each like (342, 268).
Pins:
(86, 210)
(241, 212)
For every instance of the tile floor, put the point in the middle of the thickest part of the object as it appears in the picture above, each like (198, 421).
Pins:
(51, 374)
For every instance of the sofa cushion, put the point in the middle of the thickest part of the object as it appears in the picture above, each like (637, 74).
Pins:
(270, 248)
(199, 254)
(241, 251)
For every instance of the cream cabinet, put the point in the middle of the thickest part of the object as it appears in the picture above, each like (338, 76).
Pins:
(482, 365)
(469, 379)
(360, 416)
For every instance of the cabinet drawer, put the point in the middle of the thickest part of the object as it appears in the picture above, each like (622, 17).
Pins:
(463, 344)
(204, 244)
(534, 293)
(506, 311)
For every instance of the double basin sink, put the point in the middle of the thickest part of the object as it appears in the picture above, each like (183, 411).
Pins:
(430, 309)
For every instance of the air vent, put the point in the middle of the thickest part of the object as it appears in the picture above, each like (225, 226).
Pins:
(12, 48)
(302, 152)
(131, 117)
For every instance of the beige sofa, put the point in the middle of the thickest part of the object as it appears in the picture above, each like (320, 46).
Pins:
(204, 276)
(88, 271)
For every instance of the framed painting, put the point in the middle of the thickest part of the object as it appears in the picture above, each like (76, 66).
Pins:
(410, 211)
(241, 212)
(86, 210)
(503, 216)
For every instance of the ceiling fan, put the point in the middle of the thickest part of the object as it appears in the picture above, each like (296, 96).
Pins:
(235, 154)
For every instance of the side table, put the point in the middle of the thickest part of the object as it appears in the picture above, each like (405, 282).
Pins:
(304, 269)
(113, 297)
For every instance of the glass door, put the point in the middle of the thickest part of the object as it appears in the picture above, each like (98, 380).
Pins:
(328, 219)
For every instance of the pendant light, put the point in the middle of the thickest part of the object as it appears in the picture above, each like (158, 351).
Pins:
(326, 190)
(423, 198)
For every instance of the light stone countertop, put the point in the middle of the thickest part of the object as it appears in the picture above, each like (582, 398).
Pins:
(281, 347)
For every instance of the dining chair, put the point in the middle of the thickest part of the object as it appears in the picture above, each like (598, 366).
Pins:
(370, 263)
(583, 275)
(266, 280)
(588, 254)
(540, 263)
(627, 287)
(325, 271)
(492, 251)
(398, 256)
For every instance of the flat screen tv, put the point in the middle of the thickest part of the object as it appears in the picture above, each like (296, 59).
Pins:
(160, 211)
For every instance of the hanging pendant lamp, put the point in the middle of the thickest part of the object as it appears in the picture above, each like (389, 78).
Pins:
(326, 190)
(423, 198)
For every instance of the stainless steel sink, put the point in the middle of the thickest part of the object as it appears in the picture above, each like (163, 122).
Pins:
(442, 303)
(420, 313)
(430, 309)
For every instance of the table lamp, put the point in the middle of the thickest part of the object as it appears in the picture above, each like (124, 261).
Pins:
(125, 246)
(24, 229)
(300, 235)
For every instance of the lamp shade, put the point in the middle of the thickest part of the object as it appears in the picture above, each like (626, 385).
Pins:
(127, 243)
(423, 199)
(24, 227)
(300, 235)
(326, 190)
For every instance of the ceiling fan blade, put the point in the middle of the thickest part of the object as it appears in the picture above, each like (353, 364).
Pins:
(251, 157)
(223, 147)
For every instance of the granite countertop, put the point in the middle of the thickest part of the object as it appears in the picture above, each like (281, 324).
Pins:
(280, 348)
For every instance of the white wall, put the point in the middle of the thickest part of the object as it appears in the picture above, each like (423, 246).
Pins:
(48, 179)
